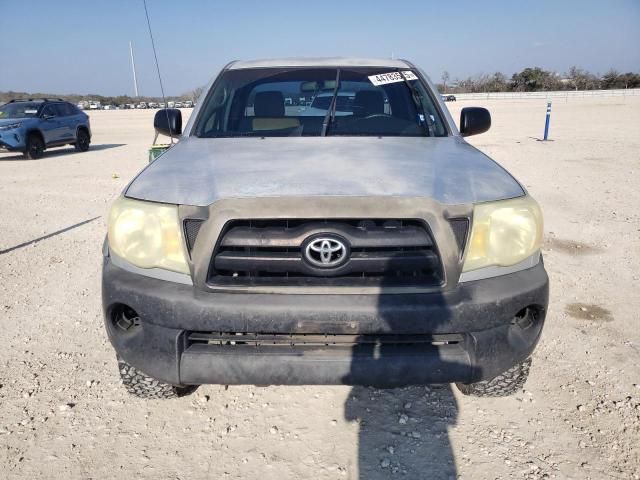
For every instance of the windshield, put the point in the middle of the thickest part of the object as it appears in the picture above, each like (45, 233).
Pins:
(19, 110)
(273, 102)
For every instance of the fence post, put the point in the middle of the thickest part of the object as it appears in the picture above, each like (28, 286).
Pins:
(546, 123)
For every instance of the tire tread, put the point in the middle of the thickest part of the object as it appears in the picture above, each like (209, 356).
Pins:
(142, 386)
(507, 383)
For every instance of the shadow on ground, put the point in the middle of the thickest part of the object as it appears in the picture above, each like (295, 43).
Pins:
(404, 431)
(49, 235)
(56, 152)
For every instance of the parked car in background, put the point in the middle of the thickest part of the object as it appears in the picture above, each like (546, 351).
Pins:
(188, 104)
(95, 105)
(161, 105)
(448, 98)
(171, 104)
(34, 125)
(142, 105)
(320, 103)
(178, 105)
(153, 105)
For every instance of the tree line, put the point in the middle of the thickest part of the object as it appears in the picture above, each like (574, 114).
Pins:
(535, 79)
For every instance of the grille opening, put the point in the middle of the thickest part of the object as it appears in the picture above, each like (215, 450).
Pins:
(460, 227)
(318, 339)
(191, 230)
(363, 224)
(387, 252)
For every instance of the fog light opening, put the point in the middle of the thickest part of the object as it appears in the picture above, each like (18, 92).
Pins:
(124, 318)
(526, 317)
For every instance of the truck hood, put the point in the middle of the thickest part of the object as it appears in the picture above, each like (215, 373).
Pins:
(200, 171)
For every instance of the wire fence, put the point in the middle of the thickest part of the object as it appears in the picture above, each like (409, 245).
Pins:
(566, 94)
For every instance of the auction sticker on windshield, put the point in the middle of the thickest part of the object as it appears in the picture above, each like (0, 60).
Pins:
(392, 77)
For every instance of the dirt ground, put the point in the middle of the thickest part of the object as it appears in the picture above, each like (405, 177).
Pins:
(63, 413)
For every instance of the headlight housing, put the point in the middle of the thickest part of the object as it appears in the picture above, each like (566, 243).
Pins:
(504, 233)
(147, 234)
(11, 126)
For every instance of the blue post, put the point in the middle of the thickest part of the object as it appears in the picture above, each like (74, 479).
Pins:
(546, 123)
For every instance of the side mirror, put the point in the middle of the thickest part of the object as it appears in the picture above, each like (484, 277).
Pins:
(474, 120)
(168, 121)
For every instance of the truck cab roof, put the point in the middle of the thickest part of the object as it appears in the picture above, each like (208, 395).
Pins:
(319, 62)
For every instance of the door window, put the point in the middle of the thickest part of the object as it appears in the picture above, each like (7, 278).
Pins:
(48, 111)
(61, 110)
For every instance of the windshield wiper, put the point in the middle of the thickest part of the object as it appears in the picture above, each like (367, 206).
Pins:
(331, 111)
(428, 126)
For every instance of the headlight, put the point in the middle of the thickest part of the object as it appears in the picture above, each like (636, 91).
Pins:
(11, 126)
(147, 234)
(504, 233)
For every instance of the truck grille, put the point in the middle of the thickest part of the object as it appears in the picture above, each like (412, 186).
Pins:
(191, 230)
(382, 252)
(318, 340)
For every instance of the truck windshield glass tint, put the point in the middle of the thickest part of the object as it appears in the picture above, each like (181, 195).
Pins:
(276, 102)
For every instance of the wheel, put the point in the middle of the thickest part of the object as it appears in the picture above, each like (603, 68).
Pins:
(82, 141)
(35, 147)
(505, 384)
(143, 386)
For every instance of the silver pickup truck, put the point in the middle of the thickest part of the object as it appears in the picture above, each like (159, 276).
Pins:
(279, 245)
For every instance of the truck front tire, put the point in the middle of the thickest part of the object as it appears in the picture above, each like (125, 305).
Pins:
(142, 386)
(505, 384)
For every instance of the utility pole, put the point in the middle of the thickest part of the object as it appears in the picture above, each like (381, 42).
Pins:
(133, 67)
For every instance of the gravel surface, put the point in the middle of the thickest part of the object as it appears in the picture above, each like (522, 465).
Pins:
(64, 414)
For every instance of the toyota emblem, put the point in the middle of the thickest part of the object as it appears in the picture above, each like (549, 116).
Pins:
(326, 252)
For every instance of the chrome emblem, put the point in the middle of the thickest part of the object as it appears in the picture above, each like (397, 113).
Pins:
(326, 252)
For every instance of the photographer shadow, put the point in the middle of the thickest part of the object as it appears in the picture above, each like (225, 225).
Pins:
(405, 430)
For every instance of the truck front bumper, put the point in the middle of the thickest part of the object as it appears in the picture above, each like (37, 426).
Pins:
(472, 333)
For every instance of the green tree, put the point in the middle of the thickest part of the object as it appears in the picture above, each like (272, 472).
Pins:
(535, 79)
(528, 80)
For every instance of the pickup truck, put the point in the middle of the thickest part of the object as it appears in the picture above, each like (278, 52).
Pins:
(373, 248)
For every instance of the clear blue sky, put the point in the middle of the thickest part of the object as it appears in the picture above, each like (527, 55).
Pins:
(65, 46)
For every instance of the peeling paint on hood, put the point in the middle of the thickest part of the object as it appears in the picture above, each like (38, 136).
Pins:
(201, 171)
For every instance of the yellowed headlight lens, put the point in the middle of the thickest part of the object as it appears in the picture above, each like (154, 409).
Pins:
(504, 233)
(147, 234)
